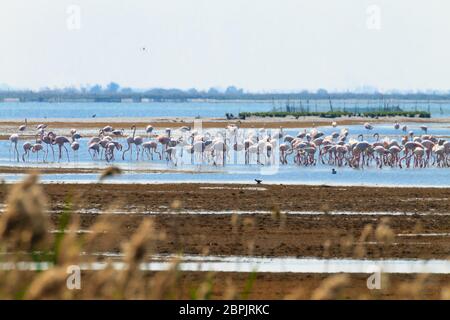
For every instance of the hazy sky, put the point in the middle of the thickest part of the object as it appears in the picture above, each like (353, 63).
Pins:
(255, 44)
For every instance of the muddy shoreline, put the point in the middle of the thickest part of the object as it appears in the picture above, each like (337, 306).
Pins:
(228, 197)
(269, 228)
(273, 233)
(304, 286)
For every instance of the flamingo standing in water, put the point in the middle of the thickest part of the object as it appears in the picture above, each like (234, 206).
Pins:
(368, 126)
(424, 129)
(75, 147)
(36, 148)
(27, 146)
(48, 140)
(130, 142)
(61, 141)
(14, 139)
(138, 142)
(109, 150)
(164, 140)
(150, 147)
(95, 148)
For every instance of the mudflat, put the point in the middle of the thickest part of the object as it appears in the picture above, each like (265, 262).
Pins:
(268, 220)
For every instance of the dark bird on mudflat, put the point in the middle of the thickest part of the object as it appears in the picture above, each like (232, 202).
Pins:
(333, 171)
(258, 181)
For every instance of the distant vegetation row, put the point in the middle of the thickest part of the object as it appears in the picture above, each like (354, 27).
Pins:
(337, 114)
(114, 93)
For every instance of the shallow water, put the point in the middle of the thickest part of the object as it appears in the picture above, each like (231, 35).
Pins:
(43, 110)
(430, 177)
(263, 264)
(235, 171)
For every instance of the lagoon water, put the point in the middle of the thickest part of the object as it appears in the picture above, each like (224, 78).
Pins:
(430, 177)
(235, 171)
(82, 110)
(263, 264)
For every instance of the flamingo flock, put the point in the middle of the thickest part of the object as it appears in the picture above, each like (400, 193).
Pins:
(43, 138)
(339, 150)
(256, 146)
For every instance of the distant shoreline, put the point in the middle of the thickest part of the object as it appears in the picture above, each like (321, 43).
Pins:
(144, 97)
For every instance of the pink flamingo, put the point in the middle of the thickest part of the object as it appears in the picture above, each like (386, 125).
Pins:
(150, 147)
(109, 152)
(138, 142)
(95, 148)
(75, 147)
(48, 140)
(130, 142)
(14, 139)
(27, 146)
(36, 148)
(61, 141)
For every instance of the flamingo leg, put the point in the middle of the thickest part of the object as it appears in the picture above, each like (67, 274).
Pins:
(16, 152)
(67, 152)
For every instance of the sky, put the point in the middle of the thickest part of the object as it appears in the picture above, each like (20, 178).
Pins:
(258, 45)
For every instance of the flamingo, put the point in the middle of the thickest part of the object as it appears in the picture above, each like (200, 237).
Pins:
(61, 141)
(424, 128)
(48, 140)
(150, 147)
(23, 127)
(76, 136)
(75, 147)
(118, 133)
(103, 143)
(107, 129)
(94, 149)
(138, 142)
(171, 155)
(109, 153)
(368, 126)
(149, 129)
(27, 146)
(14, 139)
(36, 148)
(164, 141)
(130, 142)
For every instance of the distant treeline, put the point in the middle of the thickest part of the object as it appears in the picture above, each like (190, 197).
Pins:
(337, 114)
(113, 93)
